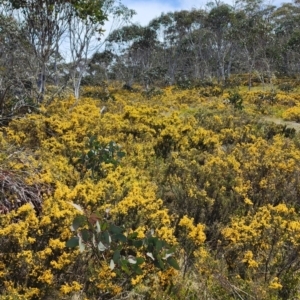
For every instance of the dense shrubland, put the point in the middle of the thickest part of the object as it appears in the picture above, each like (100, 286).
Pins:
(188, 194)
(175, 184)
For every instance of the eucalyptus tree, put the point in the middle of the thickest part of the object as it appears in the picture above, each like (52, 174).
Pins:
(15, 80)
(146, 49)
(219, 23)
(253, 29)
(85, 38)
(119, 42)
(266, 43)
(181, 38)
(99, 68)
(136, 47)
(286, 20)
(191, 43)
(47, 23)
(178, 35)
(162, 25)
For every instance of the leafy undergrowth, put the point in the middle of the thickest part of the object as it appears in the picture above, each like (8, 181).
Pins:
(101, 198)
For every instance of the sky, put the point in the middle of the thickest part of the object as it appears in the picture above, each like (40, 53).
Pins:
(149, 9)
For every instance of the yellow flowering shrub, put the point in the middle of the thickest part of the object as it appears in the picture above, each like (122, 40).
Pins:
(30, 262)
(218, 183)
(263, 248)
(194, 233)
(56, 137)
(292, 114)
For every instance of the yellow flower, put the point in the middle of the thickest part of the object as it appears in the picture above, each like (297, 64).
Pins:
(195, 233)
(137, 279)
(275, 284)
(248, 258)
(56, 244)
(69, 288)
(248, 201)
(46, 277)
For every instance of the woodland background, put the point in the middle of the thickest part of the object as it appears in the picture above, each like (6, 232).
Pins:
(165, 166)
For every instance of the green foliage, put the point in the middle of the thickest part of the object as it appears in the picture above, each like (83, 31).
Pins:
(121, 248)
(236, 100)
(96, 155)
(91, 9)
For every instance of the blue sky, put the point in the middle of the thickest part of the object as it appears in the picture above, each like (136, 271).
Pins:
(149, 9)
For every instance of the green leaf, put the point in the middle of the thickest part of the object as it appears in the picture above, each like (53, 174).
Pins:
(73, 242)
(137, 270)
(161, 264)
(105, 238)
(158, 245)
(133, 235)
(171, 250)
(140, 260)
(78, 221)
(137, 243)
(124, 266)
(120, 154)
(90, 154)
(104, 226)
(152, 241)
(115, 229)
(118, 272)
(116, 256)
(121, 237)
(86, 235)
(173, 263)
(164, 244)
